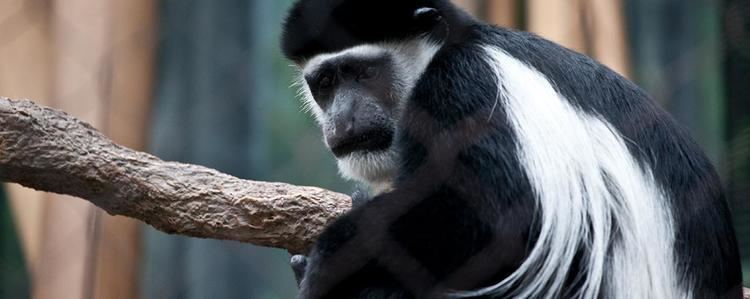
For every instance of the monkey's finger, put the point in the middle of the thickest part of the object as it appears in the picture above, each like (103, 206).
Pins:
(298, 263)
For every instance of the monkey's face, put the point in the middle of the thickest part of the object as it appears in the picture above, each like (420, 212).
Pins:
(356, 96)
(359, 61)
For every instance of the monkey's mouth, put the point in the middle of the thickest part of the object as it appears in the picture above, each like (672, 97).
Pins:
(369, 141)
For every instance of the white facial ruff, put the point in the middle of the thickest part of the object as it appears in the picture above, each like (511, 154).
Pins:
(411, 58)
(585, 181)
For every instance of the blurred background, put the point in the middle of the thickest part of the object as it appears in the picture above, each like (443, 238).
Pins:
(204, 82)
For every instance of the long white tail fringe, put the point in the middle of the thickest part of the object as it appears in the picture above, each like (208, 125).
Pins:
(586, 182)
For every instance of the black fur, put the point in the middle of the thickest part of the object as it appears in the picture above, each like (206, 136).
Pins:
(462, 212)
(325, 26)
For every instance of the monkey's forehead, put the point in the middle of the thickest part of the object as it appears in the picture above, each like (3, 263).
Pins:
(314, 27)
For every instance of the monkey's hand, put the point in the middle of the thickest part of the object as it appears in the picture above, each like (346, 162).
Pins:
(298, 263)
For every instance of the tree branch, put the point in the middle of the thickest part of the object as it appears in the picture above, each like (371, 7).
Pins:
(51, 151)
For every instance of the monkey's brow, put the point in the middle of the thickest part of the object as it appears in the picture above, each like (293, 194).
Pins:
(355, 63)
(358, 52)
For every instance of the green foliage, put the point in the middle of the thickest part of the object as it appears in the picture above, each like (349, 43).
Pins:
(739, 155)
(14, 282)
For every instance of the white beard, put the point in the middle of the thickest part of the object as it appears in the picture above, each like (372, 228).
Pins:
(375, 169)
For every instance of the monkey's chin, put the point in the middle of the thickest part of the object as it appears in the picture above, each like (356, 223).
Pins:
(377, 169)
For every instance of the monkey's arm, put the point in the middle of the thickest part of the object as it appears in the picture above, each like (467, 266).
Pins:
(299, 262)
(51, 151)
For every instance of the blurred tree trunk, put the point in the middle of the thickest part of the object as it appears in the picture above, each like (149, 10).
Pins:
(94, 60)
(79, 38)
(592, 27)
(558, 21)
(130, 62)
(502, 13)
(26, 72)
(605, 21)
(472, 6)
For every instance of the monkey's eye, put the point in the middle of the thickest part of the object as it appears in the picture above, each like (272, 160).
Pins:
(325, 82)
(368, 73)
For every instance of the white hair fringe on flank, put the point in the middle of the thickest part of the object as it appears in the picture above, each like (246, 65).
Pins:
(586, 182)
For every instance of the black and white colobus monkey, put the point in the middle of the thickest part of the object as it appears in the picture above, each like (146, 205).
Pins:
(502, 165)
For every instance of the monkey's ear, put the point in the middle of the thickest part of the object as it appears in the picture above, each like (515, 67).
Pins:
(427, 15)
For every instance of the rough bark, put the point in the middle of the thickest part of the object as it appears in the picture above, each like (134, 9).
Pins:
(51, 151)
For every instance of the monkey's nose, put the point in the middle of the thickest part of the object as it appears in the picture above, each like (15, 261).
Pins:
(347, 127)
(344, 126)
(349, 137)
(344, 131)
